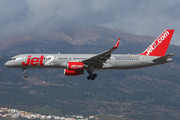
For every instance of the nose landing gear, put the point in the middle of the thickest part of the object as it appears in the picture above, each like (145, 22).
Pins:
(25, 72)
(26, 76)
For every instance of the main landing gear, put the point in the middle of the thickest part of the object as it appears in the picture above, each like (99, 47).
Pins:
(25, 72)
(92, 77)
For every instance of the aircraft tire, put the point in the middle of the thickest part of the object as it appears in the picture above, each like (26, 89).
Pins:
(95, 75)
(26, 76)
(88, 77)
(92, 78)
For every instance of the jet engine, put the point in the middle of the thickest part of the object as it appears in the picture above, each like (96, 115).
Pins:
(76, 66)
(73, 72)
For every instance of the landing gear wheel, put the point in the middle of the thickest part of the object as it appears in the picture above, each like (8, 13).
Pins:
(88, 77)
(26, 76)
(92, 77)
(95, 75)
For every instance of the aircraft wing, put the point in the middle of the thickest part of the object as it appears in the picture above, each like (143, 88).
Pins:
(102, 57)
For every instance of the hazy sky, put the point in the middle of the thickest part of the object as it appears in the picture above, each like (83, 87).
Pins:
(142, 17)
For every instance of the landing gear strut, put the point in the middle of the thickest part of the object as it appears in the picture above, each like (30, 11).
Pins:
(90, 71)
(25, 72)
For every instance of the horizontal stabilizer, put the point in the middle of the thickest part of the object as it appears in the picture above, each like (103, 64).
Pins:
(164, 57)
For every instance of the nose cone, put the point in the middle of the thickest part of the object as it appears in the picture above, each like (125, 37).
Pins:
(7, 64)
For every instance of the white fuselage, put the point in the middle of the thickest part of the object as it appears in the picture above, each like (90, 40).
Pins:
(116, 61)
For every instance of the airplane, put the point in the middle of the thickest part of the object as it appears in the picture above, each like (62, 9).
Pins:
(76, 64)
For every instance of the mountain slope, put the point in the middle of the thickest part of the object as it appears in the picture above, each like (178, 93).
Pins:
(80, 37)
(148, 93)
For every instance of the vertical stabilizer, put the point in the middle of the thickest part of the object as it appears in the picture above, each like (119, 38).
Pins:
(160, 45)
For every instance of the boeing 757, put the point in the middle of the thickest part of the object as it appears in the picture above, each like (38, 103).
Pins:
(76, 64)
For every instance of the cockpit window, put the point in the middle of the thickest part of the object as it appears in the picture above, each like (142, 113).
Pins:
(13, 59)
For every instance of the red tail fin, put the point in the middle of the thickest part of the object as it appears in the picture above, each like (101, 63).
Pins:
(160, 45)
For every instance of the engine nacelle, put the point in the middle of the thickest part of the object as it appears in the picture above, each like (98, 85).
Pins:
(73, 72)
(76, 66)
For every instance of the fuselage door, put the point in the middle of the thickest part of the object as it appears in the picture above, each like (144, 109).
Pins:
(55, 58)
(112, 59)
(143, 59)
(22, 58)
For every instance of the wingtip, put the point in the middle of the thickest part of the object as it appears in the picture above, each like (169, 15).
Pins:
(117, 44)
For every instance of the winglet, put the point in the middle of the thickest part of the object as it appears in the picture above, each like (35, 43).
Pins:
(117, 44)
